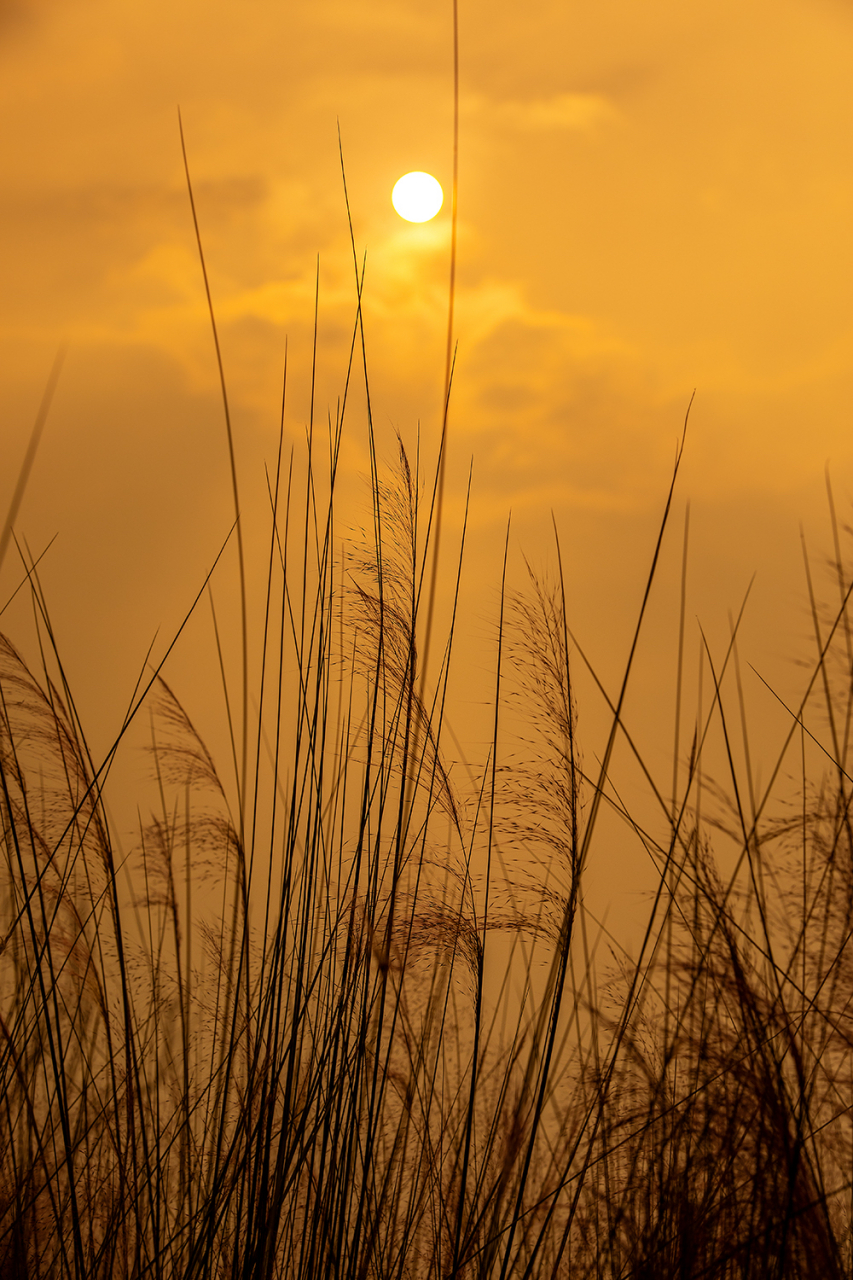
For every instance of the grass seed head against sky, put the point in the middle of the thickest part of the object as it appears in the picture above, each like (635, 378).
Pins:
(652, 199)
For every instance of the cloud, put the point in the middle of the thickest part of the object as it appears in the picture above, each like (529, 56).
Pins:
(21, 18)
(557, 408)
(560, 111)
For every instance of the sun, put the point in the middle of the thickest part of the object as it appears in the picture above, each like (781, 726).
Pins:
(417, 197)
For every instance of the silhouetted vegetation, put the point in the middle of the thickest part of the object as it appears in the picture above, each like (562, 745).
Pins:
(283, 1052)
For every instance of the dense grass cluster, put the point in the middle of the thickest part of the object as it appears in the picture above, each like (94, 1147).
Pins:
(284, 1049)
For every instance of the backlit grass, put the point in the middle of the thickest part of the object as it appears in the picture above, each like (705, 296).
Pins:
(274, 1042)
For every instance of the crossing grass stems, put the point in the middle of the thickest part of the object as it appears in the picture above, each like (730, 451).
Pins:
(318, 1079)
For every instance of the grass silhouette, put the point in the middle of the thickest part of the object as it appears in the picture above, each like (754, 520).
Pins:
(315, 1076)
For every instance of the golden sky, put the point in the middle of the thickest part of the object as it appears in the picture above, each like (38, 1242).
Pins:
(653, 198)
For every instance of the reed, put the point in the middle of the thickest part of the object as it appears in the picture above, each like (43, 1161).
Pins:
(282, 1053)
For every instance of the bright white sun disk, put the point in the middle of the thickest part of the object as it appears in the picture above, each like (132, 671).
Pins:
(417, 197)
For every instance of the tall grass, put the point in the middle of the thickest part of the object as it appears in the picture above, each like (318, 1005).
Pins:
(284, 1052)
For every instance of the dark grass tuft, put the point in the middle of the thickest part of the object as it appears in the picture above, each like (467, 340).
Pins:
(352, 1024)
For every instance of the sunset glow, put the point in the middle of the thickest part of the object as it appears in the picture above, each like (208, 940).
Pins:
(425, 647)
(634, 224)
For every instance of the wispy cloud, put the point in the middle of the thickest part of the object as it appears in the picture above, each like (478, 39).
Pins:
(559, 111)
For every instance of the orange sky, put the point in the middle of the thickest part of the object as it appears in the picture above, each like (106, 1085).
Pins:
(652, 198)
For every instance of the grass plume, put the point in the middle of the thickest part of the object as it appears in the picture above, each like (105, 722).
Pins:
(269, 1040)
